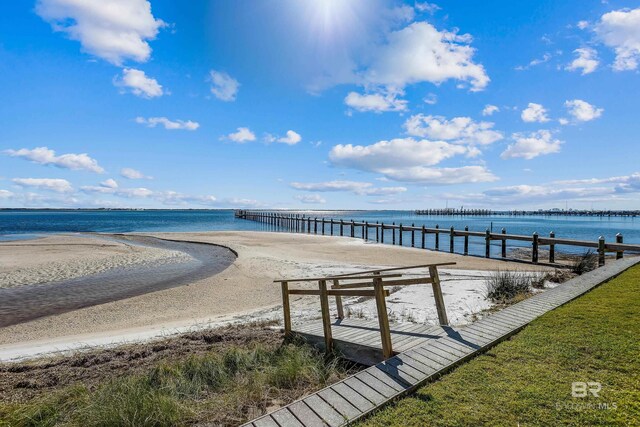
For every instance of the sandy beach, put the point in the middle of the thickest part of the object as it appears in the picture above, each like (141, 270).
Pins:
(243, 291)
(61, 257)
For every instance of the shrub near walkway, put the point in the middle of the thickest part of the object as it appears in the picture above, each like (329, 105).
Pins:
(527, 381)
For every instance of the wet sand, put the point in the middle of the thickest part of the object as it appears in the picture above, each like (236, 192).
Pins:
(243, 288)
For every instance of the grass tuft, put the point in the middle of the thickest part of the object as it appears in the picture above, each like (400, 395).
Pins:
(587, 262)
(505, 286)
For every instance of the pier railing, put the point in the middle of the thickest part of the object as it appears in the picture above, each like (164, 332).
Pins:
(370, 231)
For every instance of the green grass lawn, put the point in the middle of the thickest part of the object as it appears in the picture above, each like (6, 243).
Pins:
(527, 380)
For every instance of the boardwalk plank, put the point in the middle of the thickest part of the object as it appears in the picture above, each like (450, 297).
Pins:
(285, 418)
(364, 390)
(325, 411)
(305, 415)
(400, 376)
(398, 384)
(353, 397)
(380, 386)
(339, 403)
(265, 422)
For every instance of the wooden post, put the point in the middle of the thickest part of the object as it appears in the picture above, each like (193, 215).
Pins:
(365, 230)
(353, 229)
(377, 232)
(413, 235)
(400, 234)
(393, 233)
(504, 244)
(437, 237)
(336, 283)
(308, 225)
(437, 294)
(552, 249)
(424, 233)
(326, 317)
(323, 226)
(383, 319)
(382, 232)
(332, 226)
(466, 241)
(315, 226)
(286, 308)
(601, 251)
(534, 251)
(487, 244)
(619, 240)
(451, 239)
(341, 228)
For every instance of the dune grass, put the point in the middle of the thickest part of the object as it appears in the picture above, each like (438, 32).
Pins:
(527, 380)
(217, 388)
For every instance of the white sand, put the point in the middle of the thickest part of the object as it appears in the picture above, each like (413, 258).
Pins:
(242, 292)
(55, 258)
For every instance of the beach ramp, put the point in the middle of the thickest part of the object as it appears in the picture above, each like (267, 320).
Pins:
(431, 356)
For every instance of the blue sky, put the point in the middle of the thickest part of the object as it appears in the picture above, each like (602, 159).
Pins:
(324, 104)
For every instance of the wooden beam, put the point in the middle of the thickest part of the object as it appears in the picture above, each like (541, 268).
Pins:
(339, 306)
(403, 282)
(408, 267)
(437, 294)
(343, 277)
(326, 317)
(286, 308)
(383, 320)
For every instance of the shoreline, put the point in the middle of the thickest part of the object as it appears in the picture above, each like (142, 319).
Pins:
(242, 290)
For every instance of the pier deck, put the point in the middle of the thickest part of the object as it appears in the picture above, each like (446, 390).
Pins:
(430, 357)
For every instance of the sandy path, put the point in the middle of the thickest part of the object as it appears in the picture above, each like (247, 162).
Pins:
(243, 287)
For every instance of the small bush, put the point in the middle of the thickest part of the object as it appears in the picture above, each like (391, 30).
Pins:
(505, 286)
(587, 262)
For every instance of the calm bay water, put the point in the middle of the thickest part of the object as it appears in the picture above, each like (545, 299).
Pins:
(14, 224)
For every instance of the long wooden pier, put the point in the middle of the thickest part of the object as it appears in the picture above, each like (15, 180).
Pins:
(418, 236)
(539, 212)
(429, 354)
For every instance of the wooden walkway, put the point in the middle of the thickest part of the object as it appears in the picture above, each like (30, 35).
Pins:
(358, 395)
(359, 340)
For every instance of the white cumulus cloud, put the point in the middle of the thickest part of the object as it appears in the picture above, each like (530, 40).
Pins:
(168, 124)
(291, 138)
(356, 187)
(137, 82)
(52, 184)
(46, 156)
(421, 53)
(534, 113)
(531, 145)
(223, 86)
(489, 109)
(376, 102)
(582, 111)
(114, 30)
(130, 173)
(460, 130)
(241, 136)
(620, 30)
(586, 61)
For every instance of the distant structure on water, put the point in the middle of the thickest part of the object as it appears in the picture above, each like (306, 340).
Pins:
(539, 212)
